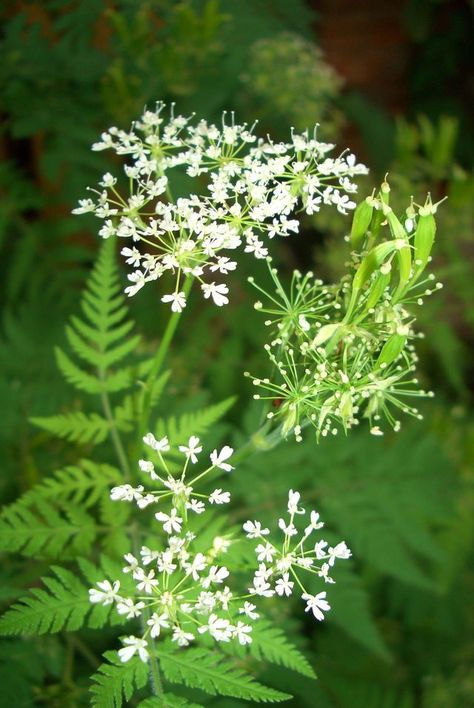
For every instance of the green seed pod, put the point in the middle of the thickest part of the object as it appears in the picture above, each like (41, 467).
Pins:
(325, 333)
(391, 349)
(373, 260)
(346, 408)
(403, 253)
(424, 238)
(377, 289)
(361, 221)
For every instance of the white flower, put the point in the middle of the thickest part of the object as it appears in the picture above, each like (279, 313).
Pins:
(191, 449)
(217, 292)
(248, 609)
(146, 582)
(158, 445)
(288, 529)
(196, 566)
(107, 594)
(129, 608)
(171, 522)
(293, 499)
(317, 604)
(218, 459)
(178, 301)
(181, 637)
(314, 524)
(284, 586)
(133, 645)
(196, 505)
(219, 628)
(132, 564)
(216, 575)
(339, 551)
(148, 556)
(324, 573)
(242, 633)
(157, 622)
(265, 552)
(126, 492)
(254, 529)
(219, 497)
(319, 549)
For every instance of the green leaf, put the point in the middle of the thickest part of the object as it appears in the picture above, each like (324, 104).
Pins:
(64, 604)
(43, 529)
(180, 429)
(270, 643)
(168, 700)
(214, 674)
(115, 681)
(76, 427)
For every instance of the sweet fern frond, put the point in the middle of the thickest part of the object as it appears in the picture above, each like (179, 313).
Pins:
(270, 643)
(64, 604)
(42, 529)
(168, 700)
(76, 427)
(101, 337)
(214, 674)
(198, 422)
(115, 682)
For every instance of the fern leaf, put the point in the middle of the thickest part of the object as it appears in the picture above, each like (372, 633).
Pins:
(64, 604)
(270, 643)
(169, 700)
(116, 681)
(209, 671)
(193, 423)
(76, 427)
(83, 484)
(126, 414)
(45, 530)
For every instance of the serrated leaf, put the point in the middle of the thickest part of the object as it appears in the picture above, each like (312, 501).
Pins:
(77, 427)
(270, 643)
(115, 681)
(214, 674)
(168, 700)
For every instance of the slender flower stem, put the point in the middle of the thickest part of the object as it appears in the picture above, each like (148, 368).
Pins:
(155, 369)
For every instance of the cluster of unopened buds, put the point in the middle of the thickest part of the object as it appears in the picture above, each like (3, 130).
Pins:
(182, 588)
(249, 189)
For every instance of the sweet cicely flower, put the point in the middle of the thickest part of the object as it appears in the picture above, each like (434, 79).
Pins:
(254, 189)
(282, 564)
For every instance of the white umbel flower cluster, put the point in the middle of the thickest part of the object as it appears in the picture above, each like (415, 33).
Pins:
(281, 564)
(249, 190)
(181, 589)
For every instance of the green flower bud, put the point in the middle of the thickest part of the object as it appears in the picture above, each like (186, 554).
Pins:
(424, 238)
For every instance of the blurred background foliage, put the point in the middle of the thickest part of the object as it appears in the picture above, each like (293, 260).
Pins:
(391, 81)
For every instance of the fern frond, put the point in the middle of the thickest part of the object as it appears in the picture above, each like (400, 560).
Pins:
(76, 427)
(116, 681)
(43, 529)
(101, 337)
(64, 604)
(127, 412)
(214, 674)
(270, 643)
(168, 700)
(198, 422)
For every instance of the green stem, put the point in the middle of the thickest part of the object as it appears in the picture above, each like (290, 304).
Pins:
(114, 433)
(155, 369)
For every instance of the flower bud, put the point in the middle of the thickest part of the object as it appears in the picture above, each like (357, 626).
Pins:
(424, 238)
(391, 350)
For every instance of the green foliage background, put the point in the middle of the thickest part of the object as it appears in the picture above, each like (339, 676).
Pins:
(401, 633)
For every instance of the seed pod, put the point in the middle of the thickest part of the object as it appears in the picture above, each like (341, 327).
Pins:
(373, 260)
(324, 334)
(424, 238)
(403, 253)
(346, 407)
(361, 221)
(391, 349)
(377, 289)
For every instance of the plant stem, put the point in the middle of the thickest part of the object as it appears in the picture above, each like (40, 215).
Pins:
(157, 364)
(115, 436)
